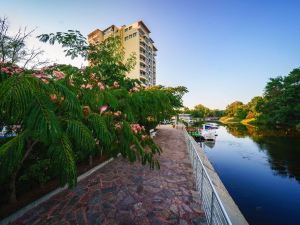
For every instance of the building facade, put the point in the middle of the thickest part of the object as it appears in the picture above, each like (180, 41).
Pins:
(135, 39)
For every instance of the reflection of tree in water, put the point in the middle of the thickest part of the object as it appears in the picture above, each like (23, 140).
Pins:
(237, 130)
(284, 155)
(282, 147)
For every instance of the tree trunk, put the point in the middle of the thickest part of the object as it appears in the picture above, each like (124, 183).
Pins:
(91, 160)
(12, 188)
(12, 182)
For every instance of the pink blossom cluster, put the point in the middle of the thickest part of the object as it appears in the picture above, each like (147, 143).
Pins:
(92, 76)
(103, 108)
(118, 113)
(45, 80)
(53, 98)
(101, 86)
(134, 89)
(118, 125)
(137, 128)
(39, 75)
(145, 137)
(58, 74)
(11, 70)
(87, 86)
(116, 84)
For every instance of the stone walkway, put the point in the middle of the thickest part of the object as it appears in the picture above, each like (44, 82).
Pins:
(124, 193)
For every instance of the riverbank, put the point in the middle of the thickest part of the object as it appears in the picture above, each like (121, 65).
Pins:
(229, 120)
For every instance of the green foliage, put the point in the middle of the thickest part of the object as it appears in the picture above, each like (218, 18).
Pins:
(281, 103)
(11, 154)
(232, 108)
(80, 134)
(62, 156)
(99, 126)
(73, 41)
(37, 172)
(200, 111)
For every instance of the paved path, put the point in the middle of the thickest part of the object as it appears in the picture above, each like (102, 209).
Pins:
(124, 193)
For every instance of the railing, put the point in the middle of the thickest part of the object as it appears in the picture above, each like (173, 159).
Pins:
(211, 204)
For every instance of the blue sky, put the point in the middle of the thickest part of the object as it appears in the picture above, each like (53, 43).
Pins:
(221, 50)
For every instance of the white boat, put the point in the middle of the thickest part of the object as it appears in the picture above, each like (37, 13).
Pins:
(5, 134)
(212, 125)
(209, 134)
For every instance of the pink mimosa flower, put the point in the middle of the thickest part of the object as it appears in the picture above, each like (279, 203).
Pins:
(118, 113)
(39, 75)
(103, 108)
(116, 84)
(53, 97)
(58, 74)
(71, 82)
(118, 126)
(45, 81)
(101, 86)
(92, 75)
(18, 70)
(89, 86)
(144, 137)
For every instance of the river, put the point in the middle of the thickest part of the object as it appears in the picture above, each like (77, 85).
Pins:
(261, 170)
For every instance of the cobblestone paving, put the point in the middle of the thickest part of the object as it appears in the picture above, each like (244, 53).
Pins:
(124, 193)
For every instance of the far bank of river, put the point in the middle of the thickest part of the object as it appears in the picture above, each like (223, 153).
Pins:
(261, 170)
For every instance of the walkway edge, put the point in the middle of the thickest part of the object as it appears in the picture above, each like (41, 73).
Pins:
(14, 216)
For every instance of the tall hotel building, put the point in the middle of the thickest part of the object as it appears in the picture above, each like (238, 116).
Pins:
(135, 39)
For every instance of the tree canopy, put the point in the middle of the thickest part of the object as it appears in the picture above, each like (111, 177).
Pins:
(63, 115)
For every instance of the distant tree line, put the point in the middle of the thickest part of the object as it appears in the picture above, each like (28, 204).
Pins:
(201, 111)
(279, 105)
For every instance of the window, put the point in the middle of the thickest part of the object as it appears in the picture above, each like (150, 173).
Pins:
(126, 29)
(134, 34)
(130, 36)
(130, 27)
(126, 38)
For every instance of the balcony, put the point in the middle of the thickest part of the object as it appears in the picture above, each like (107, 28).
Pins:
(143, 44)
(142, 51)
(142, 58)
(142, 65)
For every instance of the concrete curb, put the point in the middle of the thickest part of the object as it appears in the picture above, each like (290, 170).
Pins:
(14, 216)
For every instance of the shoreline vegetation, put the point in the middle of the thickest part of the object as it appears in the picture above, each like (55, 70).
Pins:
(279, 106)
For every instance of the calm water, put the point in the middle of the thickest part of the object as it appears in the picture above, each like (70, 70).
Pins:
(261, 171)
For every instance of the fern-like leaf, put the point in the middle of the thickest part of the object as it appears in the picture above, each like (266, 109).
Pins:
(11, 154)
(15, 98)
(62, 155)
(99, 126)
(42, 119)
(80, 134)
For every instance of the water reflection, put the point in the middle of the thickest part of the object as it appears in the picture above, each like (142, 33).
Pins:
(282, 147)
(260, 168)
